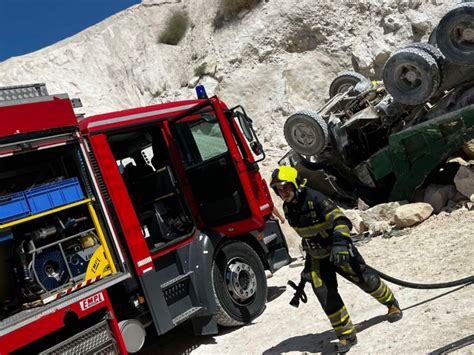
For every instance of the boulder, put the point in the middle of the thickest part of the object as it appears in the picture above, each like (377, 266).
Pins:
(464, 181)
(438, 195)
(358, 225)
(419, 21)
(193, 82)
(411, 214)
(362, 205)
(392, 22)
(381, 227)
(362, 59)
(379, 213)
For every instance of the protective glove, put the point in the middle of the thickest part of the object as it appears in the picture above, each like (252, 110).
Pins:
(339, 255)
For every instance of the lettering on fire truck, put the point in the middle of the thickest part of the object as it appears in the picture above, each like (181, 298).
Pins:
(92, 301)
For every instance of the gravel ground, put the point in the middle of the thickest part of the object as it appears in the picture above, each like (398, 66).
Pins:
(438, 250)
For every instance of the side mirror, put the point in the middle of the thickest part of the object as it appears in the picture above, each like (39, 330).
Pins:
(245, 124)
(256, 147)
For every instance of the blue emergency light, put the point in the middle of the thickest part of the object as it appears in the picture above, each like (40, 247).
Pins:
(201, 92)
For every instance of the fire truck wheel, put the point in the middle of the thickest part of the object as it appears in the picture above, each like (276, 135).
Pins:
(455, 34)
(239, 284)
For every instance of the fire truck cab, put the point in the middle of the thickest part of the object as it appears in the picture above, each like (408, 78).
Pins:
(182, 183)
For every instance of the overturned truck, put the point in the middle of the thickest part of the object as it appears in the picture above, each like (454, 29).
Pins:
(380, 140)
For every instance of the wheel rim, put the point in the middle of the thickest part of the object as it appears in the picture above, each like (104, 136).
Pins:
(304, 134)
(408, 76)
(241, 281)
(462, 36)
(345, 87)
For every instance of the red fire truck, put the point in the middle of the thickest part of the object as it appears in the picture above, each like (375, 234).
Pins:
(145, 217)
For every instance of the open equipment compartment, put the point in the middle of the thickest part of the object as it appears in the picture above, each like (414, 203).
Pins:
(51, 239)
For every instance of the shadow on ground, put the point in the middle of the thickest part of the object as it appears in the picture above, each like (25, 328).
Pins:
(321, 343)
(180, 340)
(318, 343)
(274, 292)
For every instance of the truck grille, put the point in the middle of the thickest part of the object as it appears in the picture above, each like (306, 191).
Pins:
(97, 339)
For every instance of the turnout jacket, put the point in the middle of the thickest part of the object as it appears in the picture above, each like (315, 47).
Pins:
(318, 221)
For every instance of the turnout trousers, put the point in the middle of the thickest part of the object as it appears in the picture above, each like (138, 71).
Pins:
(324, 282)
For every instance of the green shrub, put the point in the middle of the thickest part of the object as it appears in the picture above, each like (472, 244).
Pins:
(200, 70)
(175, 29)
(156, 94)
(229, 9)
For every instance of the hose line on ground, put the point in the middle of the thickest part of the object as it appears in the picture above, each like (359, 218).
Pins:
(464, 281)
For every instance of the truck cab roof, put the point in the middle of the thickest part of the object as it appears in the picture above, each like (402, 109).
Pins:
(136, 116)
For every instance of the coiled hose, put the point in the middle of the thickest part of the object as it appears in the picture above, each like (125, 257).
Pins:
(465, 281)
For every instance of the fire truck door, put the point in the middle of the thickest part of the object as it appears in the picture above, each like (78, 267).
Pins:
(216, 173)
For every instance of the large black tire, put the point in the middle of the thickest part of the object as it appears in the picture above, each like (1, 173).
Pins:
(455, 34)
(432, 37)
(344, 81)
(465, 99)
(434, 52)
(411, 76)
(237, 265)
(306, 133)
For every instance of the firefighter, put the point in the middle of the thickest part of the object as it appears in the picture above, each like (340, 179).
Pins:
(324, 230)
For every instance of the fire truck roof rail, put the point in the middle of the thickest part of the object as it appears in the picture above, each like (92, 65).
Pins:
(19, 92)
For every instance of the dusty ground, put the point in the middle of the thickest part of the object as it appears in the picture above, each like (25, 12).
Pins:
(440, 249)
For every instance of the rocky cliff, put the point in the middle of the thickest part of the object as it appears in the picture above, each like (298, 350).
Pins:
(273, 56)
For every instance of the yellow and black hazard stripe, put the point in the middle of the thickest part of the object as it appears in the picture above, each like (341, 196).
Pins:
(343, 229)
(383, 293)
(342, 323)
(333, 215)
(309, 231)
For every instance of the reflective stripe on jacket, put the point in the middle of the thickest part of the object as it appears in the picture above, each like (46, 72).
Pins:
(317, 220)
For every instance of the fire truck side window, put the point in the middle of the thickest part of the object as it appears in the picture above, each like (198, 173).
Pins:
(205, 141)
(152, 187)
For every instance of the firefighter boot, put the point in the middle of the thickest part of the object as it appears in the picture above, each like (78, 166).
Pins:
(394, 312)
(345, 344)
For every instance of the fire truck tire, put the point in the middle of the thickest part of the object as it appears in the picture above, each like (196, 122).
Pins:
(344, 81)
(455, 34)
(411, 76)
(239, 284)
(306, 133)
